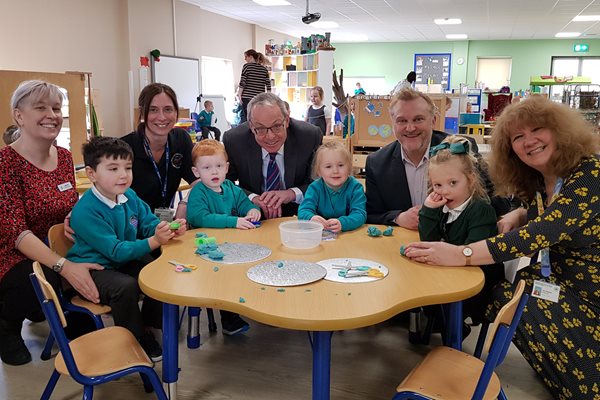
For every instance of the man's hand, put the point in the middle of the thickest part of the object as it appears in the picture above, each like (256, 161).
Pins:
(78, 275)
(512, 220)
(435, 200)
(276, 198)
(268, 212)
(409, 219)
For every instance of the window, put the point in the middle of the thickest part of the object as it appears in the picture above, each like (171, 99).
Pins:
(573, 66)
(217, 79)
(493, 73)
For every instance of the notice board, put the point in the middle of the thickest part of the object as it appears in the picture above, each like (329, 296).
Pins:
(433, 68)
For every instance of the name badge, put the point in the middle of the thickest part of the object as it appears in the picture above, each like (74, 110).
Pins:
(164, 214)
(545, 291)
(65, 186)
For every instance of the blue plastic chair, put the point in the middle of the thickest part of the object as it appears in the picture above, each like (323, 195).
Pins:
(61, 245)
(97, 357)
(446, 373)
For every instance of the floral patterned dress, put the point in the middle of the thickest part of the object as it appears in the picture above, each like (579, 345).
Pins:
(561, 341)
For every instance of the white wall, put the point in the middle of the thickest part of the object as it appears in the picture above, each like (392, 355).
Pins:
(107, 38)
(71, 35)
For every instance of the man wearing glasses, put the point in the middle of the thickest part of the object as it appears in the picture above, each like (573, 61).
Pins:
(271, 156)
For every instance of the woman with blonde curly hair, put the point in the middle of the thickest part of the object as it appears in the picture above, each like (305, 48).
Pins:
(547, 155)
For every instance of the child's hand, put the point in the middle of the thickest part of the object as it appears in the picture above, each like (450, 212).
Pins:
(243, 223)
(163, 232)
(435, 200)
(320, 220)
(182, 227)
(253, 215)
(334, 225)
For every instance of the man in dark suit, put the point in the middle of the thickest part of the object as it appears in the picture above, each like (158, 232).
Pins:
(396, 180)
(271, 155)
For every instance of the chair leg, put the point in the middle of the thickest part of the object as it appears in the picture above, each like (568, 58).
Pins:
(146, 381)
(47, 352)
(481, 339)
(149, 374)
(50, 386)
(88, 392)
(502, 395)
(193, 337)
(212, 325)
(97, 321)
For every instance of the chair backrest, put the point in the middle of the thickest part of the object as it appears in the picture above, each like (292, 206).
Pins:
(55, 317)
(58, 241)
(500, 337)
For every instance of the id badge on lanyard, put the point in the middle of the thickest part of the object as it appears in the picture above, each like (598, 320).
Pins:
(543, 289)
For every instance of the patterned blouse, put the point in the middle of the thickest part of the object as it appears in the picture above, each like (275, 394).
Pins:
(30, 199)
(570, 226)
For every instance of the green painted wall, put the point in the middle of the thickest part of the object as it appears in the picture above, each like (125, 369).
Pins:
(395, 60)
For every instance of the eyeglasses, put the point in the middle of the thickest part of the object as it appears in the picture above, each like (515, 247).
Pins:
(262, 131)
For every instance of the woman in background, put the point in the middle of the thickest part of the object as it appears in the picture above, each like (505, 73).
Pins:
(255, 79)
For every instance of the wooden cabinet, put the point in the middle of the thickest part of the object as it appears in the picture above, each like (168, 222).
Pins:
(292, 77)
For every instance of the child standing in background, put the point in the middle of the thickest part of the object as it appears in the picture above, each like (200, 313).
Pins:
(216, 202)
(336, 200)
(317, 114)
(205, 121)
(458, 210)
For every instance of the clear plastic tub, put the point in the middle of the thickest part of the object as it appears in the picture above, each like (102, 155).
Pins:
(300, 234)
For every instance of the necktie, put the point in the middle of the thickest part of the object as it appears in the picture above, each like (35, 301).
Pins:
(273, 181)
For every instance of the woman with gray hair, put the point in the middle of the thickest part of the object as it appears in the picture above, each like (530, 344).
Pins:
(37, 190)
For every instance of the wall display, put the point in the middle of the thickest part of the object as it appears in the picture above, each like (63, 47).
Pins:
(182, 75)
(433, 69)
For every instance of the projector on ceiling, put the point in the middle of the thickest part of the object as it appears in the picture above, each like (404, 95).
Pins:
(311, 17)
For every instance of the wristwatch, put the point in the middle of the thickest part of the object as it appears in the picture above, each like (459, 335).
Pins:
(467, 252)
(58, 266)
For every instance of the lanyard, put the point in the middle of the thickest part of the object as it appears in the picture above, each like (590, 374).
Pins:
(156, 170)
(545, 253)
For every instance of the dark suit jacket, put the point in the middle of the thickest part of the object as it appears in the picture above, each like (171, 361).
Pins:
(245, 158)
(387, 189)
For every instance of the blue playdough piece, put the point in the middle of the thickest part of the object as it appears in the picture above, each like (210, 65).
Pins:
(206, 247)
(373, 231)
(402, 249)
(280, 264)
(215, 269)
(201, 235)
(216, 254)
(257, 223)
(388, 232)
(281, 290)
(242, 300)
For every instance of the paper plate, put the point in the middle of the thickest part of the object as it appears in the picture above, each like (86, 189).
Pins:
(286, 273)
(333, 268)
(238, 253)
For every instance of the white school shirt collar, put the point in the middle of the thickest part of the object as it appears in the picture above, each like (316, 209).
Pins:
(455, 212)
(265, 154)
(121, 198)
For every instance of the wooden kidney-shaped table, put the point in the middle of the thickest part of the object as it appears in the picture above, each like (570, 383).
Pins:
(321, 307)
